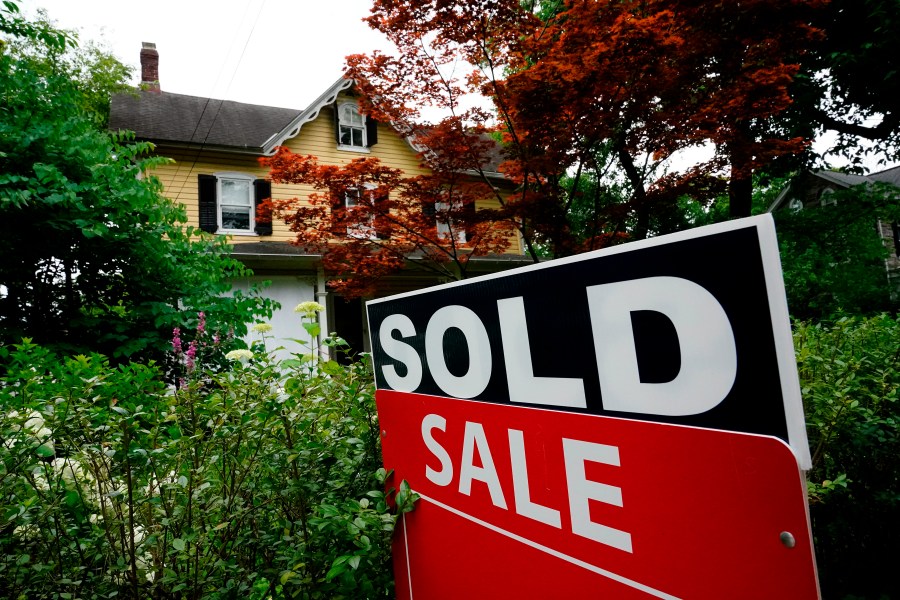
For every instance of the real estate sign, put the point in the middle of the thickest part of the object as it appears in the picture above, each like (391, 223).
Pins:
(624, 422)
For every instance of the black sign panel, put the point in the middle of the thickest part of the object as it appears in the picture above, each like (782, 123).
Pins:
(689, 329)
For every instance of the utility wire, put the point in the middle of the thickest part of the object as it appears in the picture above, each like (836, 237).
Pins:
(225, 93)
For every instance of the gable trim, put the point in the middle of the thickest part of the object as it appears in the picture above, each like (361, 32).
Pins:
(309, 114)
(822, 174)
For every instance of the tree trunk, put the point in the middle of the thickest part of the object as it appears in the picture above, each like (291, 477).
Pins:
(740, 195)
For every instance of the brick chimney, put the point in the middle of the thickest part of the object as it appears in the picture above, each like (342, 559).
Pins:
(150, 67)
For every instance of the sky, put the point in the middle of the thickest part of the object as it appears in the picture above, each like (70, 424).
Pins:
(281, 53)
(273, 52)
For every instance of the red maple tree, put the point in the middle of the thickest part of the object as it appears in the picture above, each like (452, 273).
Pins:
(572, 86)
(369, 220)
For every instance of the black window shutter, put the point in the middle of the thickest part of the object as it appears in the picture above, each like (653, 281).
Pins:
(469, 212)
(262, 190)
(206, 186)
(428, 209)
(371, 131)
(382, 223)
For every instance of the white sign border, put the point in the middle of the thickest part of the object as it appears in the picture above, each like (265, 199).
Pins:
(778, 308)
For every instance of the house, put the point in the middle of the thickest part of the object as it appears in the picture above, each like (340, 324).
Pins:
(215, 146)
(814, 189)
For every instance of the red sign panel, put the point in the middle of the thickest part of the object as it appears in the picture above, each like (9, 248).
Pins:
(521, 502)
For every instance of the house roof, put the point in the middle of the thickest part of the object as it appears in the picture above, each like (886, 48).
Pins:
(843, 180)
(177, 118)
(891, 175)
(234, 126)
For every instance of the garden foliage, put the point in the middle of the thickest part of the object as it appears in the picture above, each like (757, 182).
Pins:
(850, 373)
(251, 480)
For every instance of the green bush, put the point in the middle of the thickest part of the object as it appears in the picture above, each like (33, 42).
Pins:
(256, 480)
(850, 374)
(833, 256)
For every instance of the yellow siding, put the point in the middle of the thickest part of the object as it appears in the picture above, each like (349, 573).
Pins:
(317, 138)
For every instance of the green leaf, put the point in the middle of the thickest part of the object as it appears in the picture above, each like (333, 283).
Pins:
(285, 576)
(332, 367)
(45, 450)
(73, 498)
(178, 544)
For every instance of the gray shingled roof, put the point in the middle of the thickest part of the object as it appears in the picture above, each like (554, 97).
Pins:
(167, 117)
(176, 118)
(891, 175)
(842, 179)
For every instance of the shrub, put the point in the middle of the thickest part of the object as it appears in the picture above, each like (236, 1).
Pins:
(850, 374)
(255, 481)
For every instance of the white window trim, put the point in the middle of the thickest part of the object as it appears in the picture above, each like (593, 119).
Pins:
(341, 123)
(238, 176)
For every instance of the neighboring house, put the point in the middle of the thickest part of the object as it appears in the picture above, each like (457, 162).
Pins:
(216, 175)
(816, 188)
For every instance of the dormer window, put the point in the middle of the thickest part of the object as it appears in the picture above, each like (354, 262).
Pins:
(355, 131)
(352, 126)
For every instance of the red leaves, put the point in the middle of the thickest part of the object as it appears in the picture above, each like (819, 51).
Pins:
(588, 84)
(651, 76)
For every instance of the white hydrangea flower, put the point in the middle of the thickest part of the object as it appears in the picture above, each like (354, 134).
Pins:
(308, 308)
(243, 356)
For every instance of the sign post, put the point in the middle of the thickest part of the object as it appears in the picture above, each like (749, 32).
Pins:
(623, 423)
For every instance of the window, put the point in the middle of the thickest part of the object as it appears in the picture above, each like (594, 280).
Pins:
(445, 223)
(228, 202)
(355, 132)
(352, 126)
(352, 199)
(895, 229)
(236, 206)
(826, 197)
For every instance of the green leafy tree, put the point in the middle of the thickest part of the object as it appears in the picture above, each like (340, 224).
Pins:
(833, 257)
(853, 75)
(93, 256)
(90, 66)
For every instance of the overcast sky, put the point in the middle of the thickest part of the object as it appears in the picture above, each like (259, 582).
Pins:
(272, 52)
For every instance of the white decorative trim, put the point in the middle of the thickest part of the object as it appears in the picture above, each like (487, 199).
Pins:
(309, 114)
